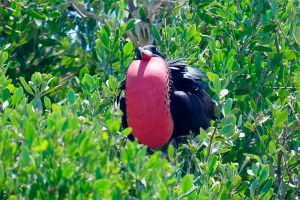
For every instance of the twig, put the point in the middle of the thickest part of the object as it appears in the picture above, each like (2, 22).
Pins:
(188, 192)
(293, 111)
(278, 170)
(211, 141)
(285, 37)
(131, 5)
(84, 13)
(79, 8)
(133, 39)
(285, 87)
(289, 174)
(63, 81)
(277, 44)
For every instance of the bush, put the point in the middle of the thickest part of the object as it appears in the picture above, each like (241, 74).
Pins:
(61, 67)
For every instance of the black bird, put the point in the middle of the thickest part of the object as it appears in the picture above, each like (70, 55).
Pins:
(185, 99)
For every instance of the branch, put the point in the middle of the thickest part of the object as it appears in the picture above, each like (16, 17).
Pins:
(278, 171)
(131, 5)
(188, 192)
(211, 141)
(62, 83)
(133, 39)
(285, 37)
(79, 8)
(277, 44)
(285, 87)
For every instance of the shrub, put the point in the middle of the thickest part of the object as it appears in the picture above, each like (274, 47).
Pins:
(61, 67)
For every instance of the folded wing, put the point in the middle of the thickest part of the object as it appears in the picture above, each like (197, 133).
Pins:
(191, 107)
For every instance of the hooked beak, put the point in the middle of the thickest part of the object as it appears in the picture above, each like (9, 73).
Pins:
(145, 53)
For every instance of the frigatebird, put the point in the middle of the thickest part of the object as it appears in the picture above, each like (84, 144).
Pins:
(164, 99)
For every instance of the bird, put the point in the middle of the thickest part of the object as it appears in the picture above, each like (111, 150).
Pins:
(163, 99)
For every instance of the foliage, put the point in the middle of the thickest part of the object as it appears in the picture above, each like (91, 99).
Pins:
(61, 66)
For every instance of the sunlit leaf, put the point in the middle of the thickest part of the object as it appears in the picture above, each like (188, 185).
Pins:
(26, 86)
(187, 183)
(130, 24)
(71, 96)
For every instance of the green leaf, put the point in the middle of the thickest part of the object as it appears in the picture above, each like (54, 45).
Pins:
(290, 55)
(269, 194)
(40, 146)
(102, 184)
(171, 152)
(253, 186)
(222, 13)
(5, 94)
(267, 186)
(130, 24)
(213, 164)
(68, 170)
(228, 130)
(187, 183)
(212, 45)
(89, 80)
(156, 33)
(276, 60)
(224, 195)
(264, 175)
(249, 126)
(26, 86)
(237, 180)
(4, 57)
(71, 96)
(55, 14)
(2, 175)
(272, 148)
(263, 48)
(47, 103)
(127, 131)
(83, 71)
(163, 192)
(104, 37)
(214, 78)
(35, 14)
(37, 103)
(191, 32)
(202, 136)
(243, 187)
(255, 157)
(30, 132)
(281, 117)
(226, 109)
(128, 48)
(18, 95)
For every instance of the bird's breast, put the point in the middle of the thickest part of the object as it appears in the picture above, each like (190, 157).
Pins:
(147, 101)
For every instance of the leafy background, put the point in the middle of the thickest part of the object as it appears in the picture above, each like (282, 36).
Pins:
(61, 66)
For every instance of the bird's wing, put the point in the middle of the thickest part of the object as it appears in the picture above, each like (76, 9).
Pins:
(190, 111)
(191, 107)
(185, 78)
(123, 109)
(122, 101)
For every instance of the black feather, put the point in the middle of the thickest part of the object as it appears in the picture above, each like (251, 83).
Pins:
(191, 107)
(185, 78)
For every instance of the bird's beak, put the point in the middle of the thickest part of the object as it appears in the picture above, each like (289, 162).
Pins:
(145, 53)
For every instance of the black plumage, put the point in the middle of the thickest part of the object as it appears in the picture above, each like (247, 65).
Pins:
(190, 105)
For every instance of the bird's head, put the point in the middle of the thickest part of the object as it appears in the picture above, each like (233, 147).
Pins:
(148, 51)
